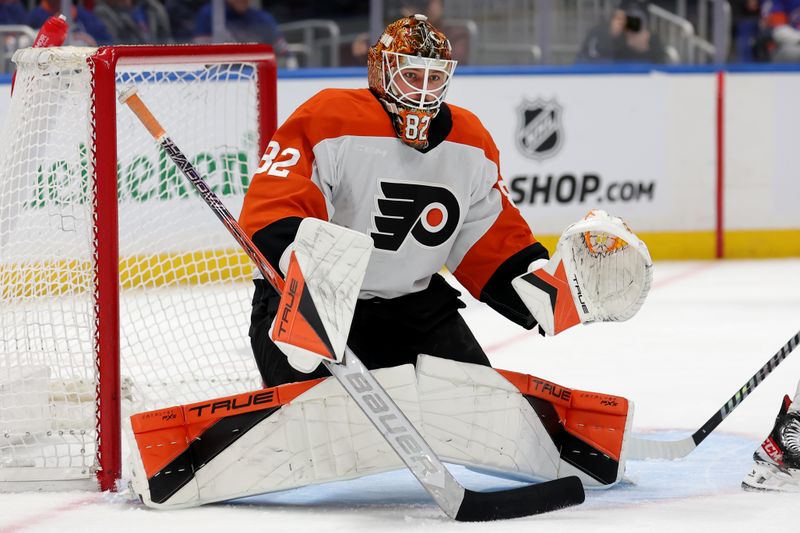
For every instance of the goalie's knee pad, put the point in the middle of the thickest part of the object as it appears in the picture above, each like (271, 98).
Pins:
(475, 417)
(519, 425)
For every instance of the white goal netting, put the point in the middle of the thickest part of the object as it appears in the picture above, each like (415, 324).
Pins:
(185, 290)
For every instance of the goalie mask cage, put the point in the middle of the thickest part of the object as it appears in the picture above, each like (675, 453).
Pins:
(119, 290)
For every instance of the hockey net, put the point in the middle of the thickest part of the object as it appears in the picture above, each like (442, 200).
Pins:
(156, 317)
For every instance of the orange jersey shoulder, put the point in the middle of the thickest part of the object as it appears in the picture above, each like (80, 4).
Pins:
(468, 129)
(335, 112)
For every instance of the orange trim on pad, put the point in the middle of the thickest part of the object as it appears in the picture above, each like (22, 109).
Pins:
(291, 327)
(596, 418)
(163, 434)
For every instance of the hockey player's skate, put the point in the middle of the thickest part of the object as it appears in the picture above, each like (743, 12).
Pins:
(777, 460)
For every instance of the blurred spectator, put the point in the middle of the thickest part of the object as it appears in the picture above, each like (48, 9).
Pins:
(12, 12)
(243, 24)
(86, 28)
(745, 30)
(782, 19)
(181, 18)
(434, 10)
(142, 23)
(625, 38)
(354, 54)
(152, 17)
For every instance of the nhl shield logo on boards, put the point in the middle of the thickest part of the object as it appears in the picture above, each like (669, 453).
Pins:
(539, 134)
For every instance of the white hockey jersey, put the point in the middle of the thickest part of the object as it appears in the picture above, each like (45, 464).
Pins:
(337, 158)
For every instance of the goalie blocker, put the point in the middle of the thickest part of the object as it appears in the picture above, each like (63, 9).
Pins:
(311, 432)
(327, 264)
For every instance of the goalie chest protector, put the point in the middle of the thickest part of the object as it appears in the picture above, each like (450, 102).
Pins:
(338, 158)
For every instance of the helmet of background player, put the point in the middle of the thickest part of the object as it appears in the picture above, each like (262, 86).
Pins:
(410, 69)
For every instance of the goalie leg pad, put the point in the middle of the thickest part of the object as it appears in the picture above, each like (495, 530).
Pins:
(257, 443)
(520, 425)
(312, 432)
(590, 429)
(474, 417)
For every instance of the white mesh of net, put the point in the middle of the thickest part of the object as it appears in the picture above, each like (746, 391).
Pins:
(185, 298)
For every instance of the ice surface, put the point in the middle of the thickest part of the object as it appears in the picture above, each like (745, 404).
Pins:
(705, 329)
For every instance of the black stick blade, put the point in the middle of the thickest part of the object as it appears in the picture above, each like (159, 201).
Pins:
(522, 501)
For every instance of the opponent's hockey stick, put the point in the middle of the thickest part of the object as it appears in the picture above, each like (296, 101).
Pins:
(675, 449)
(458, 502)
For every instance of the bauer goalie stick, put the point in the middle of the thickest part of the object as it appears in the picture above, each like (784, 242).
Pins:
(456, 501)
(675, 449)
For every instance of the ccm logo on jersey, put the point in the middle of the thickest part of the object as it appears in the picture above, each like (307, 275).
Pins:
(429, 213)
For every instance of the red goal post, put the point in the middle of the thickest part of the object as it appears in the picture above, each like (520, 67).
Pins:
(102, 250)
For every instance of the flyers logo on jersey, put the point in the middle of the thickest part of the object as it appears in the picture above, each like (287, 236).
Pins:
(428, 213)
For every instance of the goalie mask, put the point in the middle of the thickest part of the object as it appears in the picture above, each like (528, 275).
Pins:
(410, 68)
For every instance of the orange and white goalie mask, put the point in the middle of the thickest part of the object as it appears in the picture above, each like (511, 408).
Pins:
(410, 69)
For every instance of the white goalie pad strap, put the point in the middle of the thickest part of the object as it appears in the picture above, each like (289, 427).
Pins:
(609, 268)
(320, 436)
(332, 261)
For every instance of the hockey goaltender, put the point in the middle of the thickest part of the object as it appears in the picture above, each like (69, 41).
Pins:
(369, 193)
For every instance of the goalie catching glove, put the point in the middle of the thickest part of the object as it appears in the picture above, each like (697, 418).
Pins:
(326, 267)
(601, 272)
